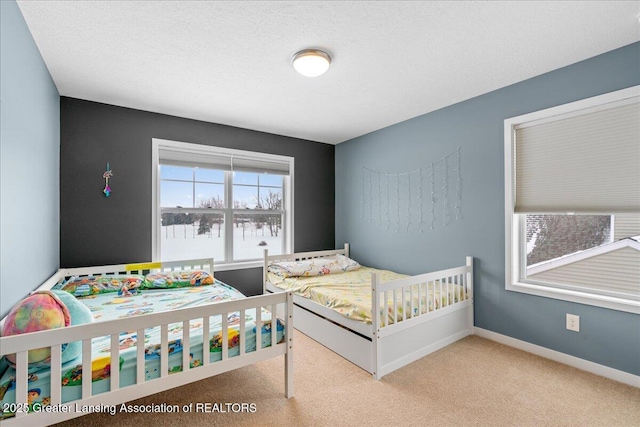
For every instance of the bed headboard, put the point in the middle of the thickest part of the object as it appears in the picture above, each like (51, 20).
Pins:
(268, 259)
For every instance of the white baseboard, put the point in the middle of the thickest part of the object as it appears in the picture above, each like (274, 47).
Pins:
(576, 362)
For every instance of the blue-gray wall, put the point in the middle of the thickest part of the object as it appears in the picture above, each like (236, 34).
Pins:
(607, 337)
(29, 162)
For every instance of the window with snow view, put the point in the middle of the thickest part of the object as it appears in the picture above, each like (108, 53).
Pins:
(226, 204)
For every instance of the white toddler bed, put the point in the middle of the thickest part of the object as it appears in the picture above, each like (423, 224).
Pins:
(228, 316)
(417, 315)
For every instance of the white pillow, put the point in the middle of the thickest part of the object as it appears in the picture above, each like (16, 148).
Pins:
(314, 266)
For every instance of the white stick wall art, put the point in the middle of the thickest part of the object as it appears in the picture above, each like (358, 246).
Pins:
(421, 198)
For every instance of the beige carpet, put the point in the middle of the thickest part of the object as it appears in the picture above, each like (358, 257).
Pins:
(473, 382)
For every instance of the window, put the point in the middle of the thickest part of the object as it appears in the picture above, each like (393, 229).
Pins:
(572, 201)
(221, 203)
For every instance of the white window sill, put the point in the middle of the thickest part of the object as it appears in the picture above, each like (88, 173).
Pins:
(587, 298)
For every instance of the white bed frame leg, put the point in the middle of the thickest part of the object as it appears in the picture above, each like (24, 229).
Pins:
(264, 271)
(375, 326)
(470, 292)
(288, 356)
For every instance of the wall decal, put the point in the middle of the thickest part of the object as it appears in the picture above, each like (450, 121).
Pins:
(406, 198)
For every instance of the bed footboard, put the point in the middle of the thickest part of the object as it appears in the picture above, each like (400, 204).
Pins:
(419, 314)
(21, 344)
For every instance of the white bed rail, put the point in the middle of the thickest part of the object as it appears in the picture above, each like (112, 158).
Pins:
(438, 290)
(402, 300)
(21, 344)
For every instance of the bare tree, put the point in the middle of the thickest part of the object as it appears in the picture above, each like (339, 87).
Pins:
(272, 202)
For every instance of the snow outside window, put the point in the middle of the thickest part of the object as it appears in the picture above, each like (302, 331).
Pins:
(221, 203)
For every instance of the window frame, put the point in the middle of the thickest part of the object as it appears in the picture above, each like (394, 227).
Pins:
(515, 239)
(195, 149)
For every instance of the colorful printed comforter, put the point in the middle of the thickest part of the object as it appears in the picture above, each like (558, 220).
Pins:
(349, 293)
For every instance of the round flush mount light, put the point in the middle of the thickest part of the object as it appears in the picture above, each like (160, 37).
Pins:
(311, 62)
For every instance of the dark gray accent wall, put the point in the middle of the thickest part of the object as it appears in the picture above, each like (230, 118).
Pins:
(96, 230)
(29, 162)
(607, 337)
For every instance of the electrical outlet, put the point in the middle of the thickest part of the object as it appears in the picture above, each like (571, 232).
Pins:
(573, 322)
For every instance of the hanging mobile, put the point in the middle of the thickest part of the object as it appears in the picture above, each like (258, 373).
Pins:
(108, 174)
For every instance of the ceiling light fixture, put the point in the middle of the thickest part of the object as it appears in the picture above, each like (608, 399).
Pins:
(311, 62)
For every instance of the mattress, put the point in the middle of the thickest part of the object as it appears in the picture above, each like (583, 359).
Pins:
(349, 293)
(108, 306)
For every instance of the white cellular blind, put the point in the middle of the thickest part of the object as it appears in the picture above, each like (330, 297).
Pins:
(221, 161)
(585, 163)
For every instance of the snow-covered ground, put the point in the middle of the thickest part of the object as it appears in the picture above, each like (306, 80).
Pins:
(181, 241)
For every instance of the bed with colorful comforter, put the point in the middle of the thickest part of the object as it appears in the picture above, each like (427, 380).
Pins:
(106, 306)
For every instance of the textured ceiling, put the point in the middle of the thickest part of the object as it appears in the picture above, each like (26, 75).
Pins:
(230, 62)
